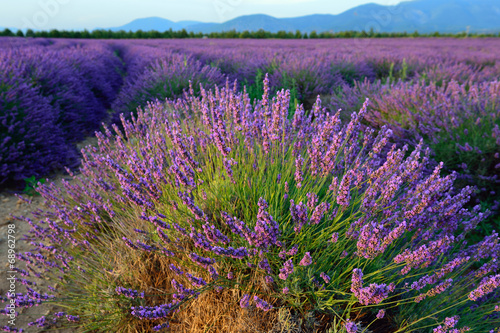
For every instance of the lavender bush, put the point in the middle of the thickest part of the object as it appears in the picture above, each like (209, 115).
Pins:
(165, 77)
(31, 143)
(458, 121)
(52, 96)
(214, 193)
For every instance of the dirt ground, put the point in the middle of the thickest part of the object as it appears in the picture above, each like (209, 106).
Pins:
(10, 206)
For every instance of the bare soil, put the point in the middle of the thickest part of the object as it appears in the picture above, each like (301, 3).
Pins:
(10, 206)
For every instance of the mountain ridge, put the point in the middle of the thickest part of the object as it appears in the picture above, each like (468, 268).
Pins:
(425, 16)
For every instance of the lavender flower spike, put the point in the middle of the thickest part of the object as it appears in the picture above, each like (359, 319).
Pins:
(307, 260)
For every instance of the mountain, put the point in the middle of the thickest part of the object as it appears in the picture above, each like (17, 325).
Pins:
(242, 23)
(425, 16)
(154, 23)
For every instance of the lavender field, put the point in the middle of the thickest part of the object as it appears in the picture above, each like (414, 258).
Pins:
(256, 185)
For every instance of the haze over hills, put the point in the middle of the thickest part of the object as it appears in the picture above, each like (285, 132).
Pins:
(425, 16)
(155, 23)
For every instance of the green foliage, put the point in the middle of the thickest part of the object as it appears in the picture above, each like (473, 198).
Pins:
(393, 76)
(31, 185)
(255, 90)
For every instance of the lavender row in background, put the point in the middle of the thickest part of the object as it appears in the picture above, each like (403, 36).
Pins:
(51, 96)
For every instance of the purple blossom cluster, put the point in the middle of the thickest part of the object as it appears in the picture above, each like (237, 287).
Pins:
(130, 293)
(373, 294)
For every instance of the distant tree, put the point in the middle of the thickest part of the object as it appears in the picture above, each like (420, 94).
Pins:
(85, 34)
(281, 34)
(54, 33)
(232, 34)
(245, 34)
(67, 34)
(7, 33)
(261, 33)
(167, 34)
(183, 34)
(138, 34)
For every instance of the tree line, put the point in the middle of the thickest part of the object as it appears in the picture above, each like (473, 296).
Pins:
(260, 34)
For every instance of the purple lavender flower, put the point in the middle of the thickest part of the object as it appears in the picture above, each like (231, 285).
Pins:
(196, 281)
(40, 322)
(245, 301)
(189, 202)
(129, 243)
(319, 212)
(293, 250)
(381, 314)
(160, 327)
(74, 319)
(266, 229)
(286, 270)
(344, 191)
(261, 304)
(130, 293)
(264, 264)
(307, 260)
(175, 269)
(213, 273)
(449, 323)
(152, 312)
(350, 326)
(373, 294)
(299, 162)
(487, 285)
(312, 200)
(335, 237)
(325, 277)
(299, 215)
(202, 261)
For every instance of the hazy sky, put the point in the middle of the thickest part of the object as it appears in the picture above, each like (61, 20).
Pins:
(90, 14)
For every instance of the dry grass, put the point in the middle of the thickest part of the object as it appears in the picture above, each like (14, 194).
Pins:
(220, 312)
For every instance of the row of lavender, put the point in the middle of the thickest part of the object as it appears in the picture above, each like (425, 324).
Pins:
(52, 94)
(318, 66)
(307, 68)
